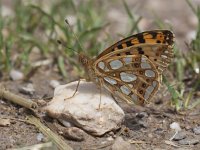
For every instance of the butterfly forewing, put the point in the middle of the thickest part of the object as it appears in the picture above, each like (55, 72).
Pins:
(147, 37)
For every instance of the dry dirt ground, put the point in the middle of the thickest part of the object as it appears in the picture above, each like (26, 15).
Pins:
(149, 127)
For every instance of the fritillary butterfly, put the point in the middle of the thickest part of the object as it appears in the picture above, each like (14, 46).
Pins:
(132, 68)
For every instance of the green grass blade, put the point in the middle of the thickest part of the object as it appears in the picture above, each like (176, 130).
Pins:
(132, 18)
(174, 93)
(191, 6)
(61, 66)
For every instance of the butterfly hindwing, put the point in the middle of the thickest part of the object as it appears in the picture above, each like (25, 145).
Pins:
(133, 77)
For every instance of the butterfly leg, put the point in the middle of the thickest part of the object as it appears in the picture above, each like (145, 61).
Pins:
(100, 99)
(114, 98)
(100, 83)
(75, 90)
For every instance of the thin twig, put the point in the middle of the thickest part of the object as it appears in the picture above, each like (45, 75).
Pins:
(36, 146)
(27, 103)
(61, 144)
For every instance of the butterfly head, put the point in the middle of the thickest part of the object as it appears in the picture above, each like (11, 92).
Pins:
(87, 64)
(83, 59)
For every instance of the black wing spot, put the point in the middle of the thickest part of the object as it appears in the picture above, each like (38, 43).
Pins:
(141, 39)
(140, 51)
(144, 85)
(128, 53)
(153, 33)
(128, 43)
(158, 41)
(141, 72)
(141, 91)
(119, 46)
(136, 65)
(147, 80)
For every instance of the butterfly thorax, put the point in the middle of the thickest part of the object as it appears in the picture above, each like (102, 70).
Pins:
(87, 64)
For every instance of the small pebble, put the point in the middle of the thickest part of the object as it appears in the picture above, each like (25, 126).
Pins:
(21, 110)
(41, 102)
(159, 131)
(142, 115)
(73, 133)
(179, 136)
(40, 137)
(143, 124)
(110, 138)
(188, 141)
(4, 122)
(175, 126)
(16, 75)
(54, 83)
(29, 89)
(65, 123)
(196, 130)
(150, 135)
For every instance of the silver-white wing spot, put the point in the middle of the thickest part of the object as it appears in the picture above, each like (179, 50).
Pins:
(127, 77)
(134, 97)
(125, 90)
(148, 92)
(111, 81)
(144, 59)
(150, 73)
(101, 65)
(154, 83)
(145, 65)
(164, 56)
(166, 51)
(116, 64)
(127, 60)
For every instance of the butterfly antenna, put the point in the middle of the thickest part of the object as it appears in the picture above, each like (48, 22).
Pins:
(75, 36)
(65, 45)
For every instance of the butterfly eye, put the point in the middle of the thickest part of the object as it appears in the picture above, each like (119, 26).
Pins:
(84, 60)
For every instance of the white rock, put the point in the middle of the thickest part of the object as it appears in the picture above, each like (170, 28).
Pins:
(16, 75)
(175, 126)
(120, 144)
(54, 83)
(83, 110)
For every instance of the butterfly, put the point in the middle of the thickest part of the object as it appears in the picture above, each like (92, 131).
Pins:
(132, 68)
